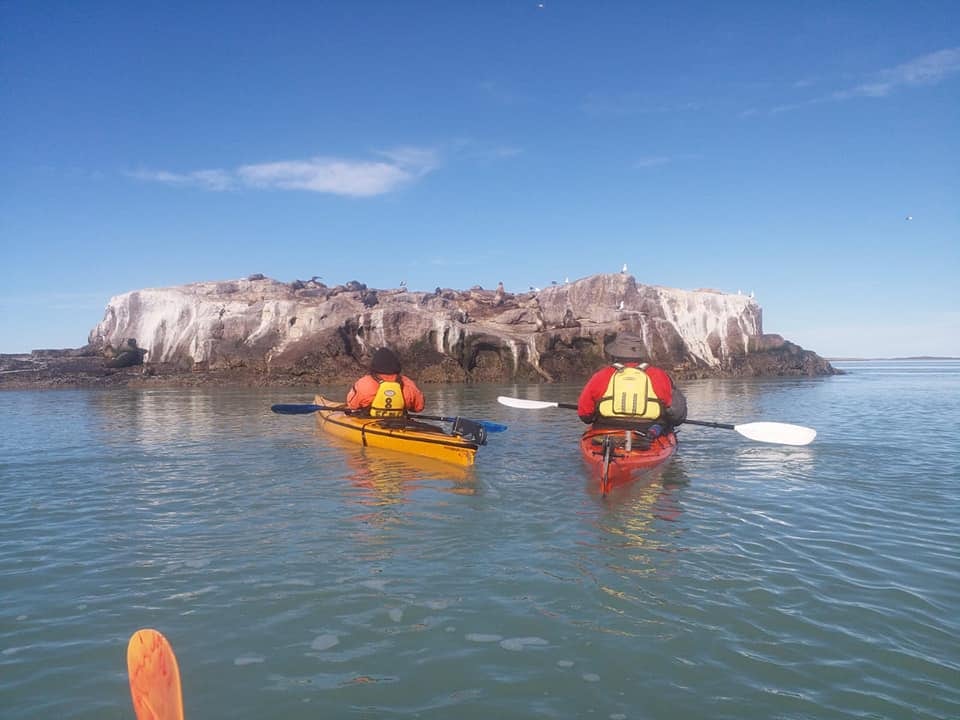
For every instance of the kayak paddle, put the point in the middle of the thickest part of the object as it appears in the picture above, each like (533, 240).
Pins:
(307, 409)
(154, 677)
(769, 432)
(304, 409)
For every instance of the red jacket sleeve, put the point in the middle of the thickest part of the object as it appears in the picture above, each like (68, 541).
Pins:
(592, 392)
(662, 385)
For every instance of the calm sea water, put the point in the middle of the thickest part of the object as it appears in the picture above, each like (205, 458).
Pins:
(297, 577)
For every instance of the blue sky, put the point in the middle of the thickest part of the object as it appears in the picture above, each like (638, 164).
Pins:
(774, 148)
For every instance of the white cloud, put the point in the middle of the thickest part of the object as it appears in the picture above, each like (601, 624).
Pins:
(418, 161)
(208, 179)
(927, 69)
(335, 176)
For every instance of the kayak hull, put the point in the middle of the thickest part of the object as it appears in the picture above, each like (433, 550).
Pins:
(623, 465)
(414, 438)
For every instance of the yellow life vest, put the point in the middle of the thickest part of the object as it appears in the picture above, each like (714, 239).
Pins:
(630, 394)
(388, 402)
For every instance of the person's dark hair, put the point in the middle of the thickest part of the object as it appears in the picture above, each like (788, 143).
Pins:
(385, 361)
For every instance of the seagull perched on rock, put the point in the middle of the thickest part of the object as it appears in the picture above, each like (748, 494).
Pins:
(620, 306)
(624, 268)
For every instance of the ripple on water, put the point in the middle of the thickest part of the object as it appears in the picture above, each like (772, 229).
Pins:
(813, 582)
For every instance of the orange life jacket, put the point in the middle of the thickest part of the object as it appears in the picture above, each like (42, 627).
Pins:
(388, 402)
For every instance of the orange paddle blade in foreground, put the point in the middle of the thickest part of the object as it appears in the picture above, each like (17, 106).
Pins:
(154, 677)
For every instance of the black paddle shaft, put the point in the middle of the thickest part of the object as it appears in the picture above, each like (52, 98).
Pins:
(704, 423)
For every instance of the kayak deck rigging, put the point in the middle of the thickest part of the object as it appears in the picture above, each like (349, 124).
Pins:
(617, 456)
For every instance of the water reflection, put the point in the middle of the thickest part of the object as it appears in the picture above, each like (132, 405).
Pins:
(171, 418)
(635, 548)
(744, 400)
(775, 462)
(632, 510)
(636, 523)
(385, 477)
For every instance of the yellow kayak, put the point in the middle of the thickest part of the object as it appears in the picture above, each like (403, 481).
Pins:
(406, 436)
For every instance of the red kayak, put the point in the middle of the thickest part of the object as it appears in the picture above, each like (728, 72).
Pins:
(617, 457)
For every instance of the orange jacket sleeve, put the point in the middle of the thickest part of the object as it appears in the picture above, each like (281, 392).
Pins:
(412, 397)
(362, 393)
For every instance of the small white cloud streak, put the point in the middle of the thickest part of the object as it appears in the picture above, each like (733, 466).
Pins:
(927, 69)
(217, 180)
(333, 176)
(336, 177)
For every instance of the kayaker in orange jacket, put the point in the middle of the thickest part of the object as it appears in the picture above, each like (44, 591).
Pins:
(631, 394)
(384, 392)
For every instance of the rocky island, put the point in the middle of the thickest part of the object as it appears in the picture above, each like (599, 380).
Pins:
(259, 331)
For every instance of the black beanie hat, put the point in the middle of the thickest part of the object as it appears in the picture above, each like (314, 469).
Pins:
(385, 361)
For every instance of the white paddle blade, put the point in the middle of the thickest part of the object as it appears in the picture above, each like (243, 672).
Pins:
(525, 404)
(774, 432)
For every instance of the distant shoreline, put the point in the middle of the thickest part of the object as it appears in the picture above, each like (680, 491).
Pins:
(872, 359)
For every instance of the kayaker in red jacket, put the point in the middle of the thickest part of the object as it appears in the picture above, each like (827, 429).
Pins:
(631, 394)
(384, 392)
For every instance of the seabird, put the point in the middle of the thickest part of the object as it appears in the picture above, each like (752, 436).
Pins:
(620, 306)
(624, 268)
